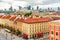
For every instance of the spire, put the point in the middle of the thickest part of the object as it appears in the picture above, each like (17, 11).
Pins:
(11, 8)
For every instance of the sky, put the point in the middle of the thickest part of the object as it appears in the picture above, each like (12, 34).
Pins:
(41, 3)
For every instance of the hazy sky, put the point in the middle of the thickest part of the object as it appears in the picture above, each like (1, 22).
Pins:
(23, 3)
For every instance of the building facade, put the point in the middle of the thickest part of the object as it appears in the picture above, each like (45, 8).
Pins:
(54, 29)
(33, 26)
(11, 21)
(0, 18)
(30, 27)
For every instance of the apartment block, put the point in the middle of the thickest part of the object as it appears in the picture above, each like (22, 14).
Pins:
(54, 29)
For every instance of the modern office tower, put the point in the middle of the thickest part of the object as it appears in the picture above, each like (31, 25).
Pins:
(29, 7)
(11, 9)
(58, 8)
(37, 7)
(32, 8)
(48, 9)
(5, 9)
(20, 7)
(14, 10)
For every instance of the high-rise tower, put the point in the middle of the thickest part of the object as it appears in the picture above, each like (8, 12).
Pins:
(11, 9)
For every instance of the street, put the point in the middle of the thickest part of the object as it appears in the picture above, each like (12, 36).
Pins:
(8, 36)
(2, 37)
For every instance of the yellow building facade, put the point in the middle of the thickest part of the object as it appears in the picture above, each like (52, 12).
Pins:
(29, 26)
(34, 28)
(11, 21)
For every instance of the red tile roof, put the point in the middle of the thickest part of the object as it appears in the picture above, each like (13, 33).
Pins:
(27, 20)
(19, 19)
(12, 18)
(16, 19)
(1, 15)
(33, 20)
(55, 18)
(7, 16)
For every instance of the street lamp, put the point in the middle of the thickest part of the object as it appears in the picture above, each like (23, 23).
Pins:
(15, 25)
(5, 30)
(11, 36)
(6, 35)
(14, 28)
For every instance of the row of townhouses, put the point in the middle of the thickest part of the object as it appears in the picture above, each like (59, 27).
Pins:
(31, 26)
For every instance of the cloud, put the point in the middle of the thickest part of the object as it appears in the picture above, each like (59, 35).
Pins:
(7, 0)
(4, 5)
(7, 3)
(33, 2)
(15, 2)
(51, 1)
(23, 3)
(41, 2)
(20, 3)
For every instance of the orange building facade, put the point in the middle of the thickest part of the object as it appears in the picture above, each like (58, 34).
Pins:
(54, 29)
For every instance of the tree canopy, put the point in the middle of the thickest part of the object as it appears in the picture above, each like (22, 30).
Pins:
(28, 14)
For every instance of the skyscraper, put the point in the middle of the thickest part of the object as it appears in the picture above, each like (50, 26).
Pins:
(32, 8)
(37, 7)
(11, 9)
(58, 8)
(29, 7)
(48, 9)
(20, 7)
(14, 9)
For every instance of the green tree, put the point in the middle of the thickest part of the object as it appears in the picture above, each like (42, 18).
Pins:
(28, 13)
(10, 28)
(18, 32)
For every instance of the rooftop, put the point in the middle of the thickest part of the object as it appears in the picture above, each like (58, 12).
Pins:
(12, 17)
(1, 15)
(55, 18)
(34, 20)
(7, 16)
(29, 19)
(56, 21)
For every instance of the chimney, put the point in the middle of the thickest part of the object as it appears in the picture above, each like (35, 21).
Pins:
(25, 18)
(34, 16)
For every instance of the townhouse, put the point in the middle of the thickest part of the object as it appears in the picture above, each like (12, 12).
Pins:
(54, 30)
(31, 27)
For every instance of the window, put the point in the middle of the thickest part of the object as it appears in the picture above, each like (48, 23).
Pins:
(51, 38)
(30, 36)
(30, 30)
(56, 33)
(15, 22)
(56, 28)
(30, 25)
(35, 35)
(52, 27)
(56, 39)
(51, 32)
